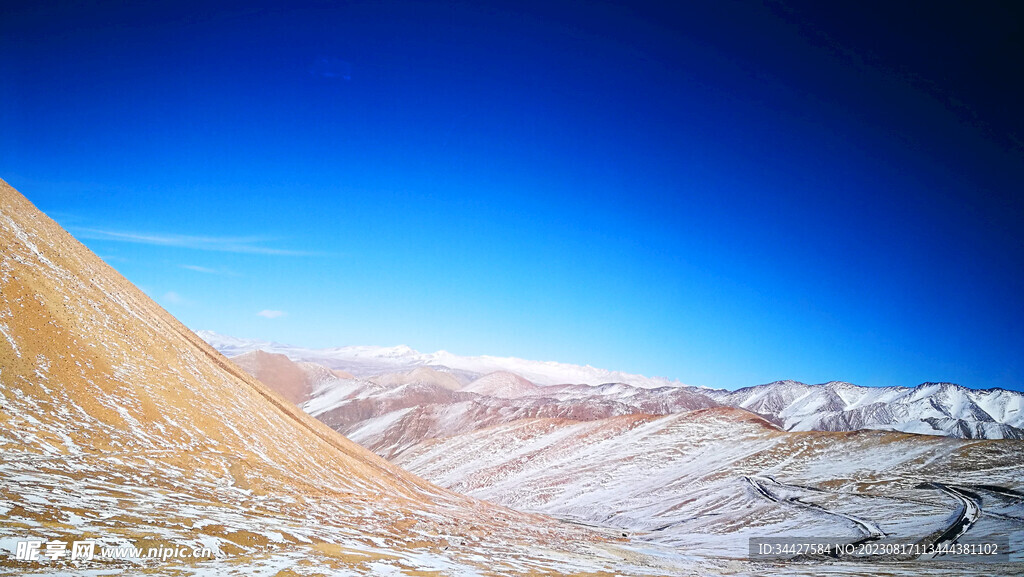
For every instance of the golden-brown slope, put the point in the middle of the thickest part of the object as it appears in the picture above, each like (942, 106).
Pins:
(279, 373)
(118, 423)
(77, 334)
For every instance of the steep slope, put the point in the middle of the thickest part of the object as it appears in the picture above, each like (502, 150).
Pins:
(120, 425)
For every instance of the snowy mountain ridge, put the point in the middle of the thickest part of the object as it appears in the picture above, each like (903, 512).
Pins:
(371, 360)
(942, 409)
(930, 408)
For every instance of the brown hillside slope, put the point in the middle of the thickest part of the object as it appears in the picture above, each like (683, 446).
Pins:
(118, 424)
(279, 373)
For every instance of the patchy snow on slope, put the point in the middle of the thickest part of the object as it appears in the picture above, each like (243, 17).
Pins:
(684, 479)
(120, 426)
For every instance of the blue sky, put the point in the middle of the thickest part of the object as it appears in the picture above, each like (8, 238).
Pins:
(723, 193)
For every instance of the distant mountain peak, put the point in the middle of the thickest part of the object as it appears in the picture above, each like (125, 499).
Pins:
(373, 360)
(502, 384)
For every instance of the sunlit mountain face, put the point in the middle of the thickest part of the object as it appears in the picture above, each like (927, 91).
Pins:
(122, 428)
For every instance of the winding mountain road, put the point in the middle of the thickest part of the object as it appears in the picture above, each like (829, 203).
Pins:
(970, 512)
(871, 530)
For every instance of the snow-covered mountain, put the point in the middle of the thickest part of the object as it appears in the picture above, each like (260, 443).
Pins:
(682, 467)
(672, 466)
(369, 360)
(390, 413)
(503, 384)
(931, 408)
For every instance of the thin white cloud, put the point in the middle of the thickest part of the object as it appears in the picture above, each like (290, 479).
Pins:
(244, 244)
(269, 314)
(202, 269)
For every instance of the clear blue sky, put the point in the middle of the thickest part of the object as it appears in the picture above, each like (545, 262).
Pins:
(722, 193)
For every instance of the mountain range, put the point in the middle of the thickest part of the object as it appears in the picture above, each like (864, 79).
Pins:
(676, 466)
(930, 408)
(122, 426)
(370, 360)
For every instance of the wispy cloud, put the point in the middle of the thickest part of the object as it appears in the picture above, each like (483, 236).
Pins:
(203, 269)
(269, 314)
(241, 244)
